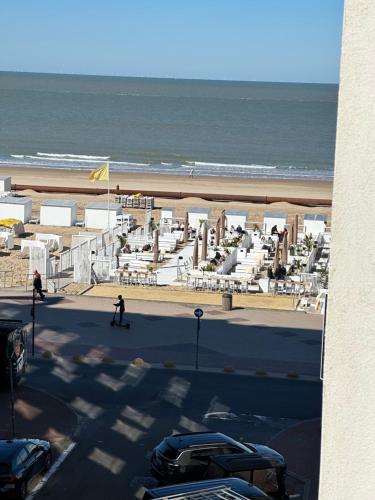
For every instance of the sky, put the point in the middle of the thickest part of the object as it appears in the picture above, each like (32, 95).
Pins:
(252, 40)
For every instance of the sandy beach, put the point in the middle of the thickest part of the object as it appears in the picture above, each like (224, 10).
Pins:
(13, 261)
(309, 189)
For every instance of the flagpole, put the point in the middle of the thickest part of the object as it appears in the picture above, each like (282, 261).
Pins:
(108, 192)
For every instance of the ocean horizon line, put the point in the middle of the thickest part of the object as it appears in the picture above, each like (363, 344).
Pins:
(171, 78)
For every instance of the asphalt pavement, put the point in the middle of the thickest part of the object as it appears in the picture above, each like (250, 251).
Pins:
(242, 339)
(125, 411)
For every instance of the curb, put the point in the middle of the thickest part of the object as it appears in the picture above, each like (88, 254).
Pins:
(191, 368)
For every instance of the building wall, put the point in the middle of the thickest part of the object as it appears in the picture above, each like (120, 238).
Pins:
(313, 227)
(194, 219)
(58, 216)
(5, 185)
(348, 453)
(98, 219)
(16, 211)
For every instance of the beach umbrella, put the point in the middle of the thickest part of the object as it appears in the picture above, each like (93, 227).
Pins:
(295, 229)
(222, 223)
(156, 246)
(276, 258)
(217, 233)
(284, 256)
(186, 227)
(195, 253)
(204, 242)
(291, 232)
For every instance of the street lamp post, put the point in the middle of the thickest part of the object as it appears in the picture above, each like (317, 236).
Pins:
(198, 313)
(12, 395)
(33, 322)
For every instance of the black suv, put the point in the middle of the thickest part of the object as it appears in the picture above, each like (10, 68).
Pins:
(20, 461)
(231, 484)
(192, 457)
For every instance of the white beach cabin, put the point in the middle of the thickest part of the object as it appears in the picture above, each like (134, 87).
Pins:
(5, 184)
(314, 224)
(58, 213)
(12, 207)
(196, 215)
(274, 219)
(96, 215)
(166, 215)
(236, 218)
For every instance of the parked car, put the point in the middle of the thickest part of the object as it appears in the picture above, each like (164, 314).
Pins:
(207, 455)
(266, 469)
(182, 490)
(20, 461)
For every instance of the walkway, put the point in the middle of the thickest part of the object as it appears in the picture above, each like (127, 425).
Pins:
(168, 274)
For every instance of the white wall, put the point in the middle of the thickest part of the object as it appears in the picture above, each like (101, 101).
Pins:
(98, 219)
(194, 219)
(166, 213)
(58, 216)
(269, 222)
(5, 185)
(313, 227)
(348, 453)
(16, 211)
(236, 220)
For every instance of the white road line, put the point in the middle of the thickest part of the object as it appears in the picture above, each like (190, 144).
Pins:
(52, 470)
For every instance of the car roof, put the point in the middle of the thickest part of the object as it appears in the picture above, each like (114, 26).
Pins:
(245, 461)
(236, 484)
(180, 441)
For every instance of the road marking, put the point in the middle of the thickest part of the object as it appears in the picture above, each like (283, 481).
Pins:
(52, 470)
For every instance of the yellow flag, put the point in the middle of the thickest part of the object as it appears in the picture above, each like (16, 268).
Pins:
(100, 174)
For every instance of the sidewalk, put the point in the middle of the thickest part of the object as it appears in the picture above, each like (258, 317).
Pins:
(183, 296)
(242, 339)
(300, 445)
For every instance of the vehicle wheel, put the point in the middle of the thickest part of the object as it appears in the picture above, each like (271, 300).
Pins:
(22, 490)
(48, 462)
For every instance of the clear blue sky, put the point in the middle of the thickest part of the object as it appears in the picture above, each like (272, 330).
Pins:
(265, 40)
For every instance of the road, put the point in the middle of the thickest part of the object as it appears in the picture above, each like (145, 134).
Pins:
(244, 339)
(125, 411)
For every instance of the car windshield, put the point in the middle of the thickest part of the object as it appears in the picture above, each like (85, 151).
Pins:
(167, 451)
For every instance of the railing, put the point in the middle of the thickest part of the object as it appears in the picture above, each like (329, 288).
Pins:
(6, 279)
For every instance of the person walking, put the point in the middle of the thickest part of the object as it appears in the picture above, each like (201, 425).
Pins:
(121, 305)
(37, 285)
(191, 174)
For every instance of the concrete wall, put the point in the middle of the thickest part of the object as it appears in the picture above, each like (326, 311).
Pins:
(348, 453)
(58, 216)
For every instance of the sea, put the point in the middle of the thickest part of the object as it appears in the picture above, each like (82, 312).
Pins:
(168, 126)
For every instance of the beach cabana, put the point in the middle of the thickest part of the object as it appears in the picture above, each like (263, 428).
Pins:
(204, 242)
(197, 214)
(13, 207)
(62, 213)
(314, 224)
(96, 215)
(167, 215)
(236, 218)
(5, 184)
(274, 219)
